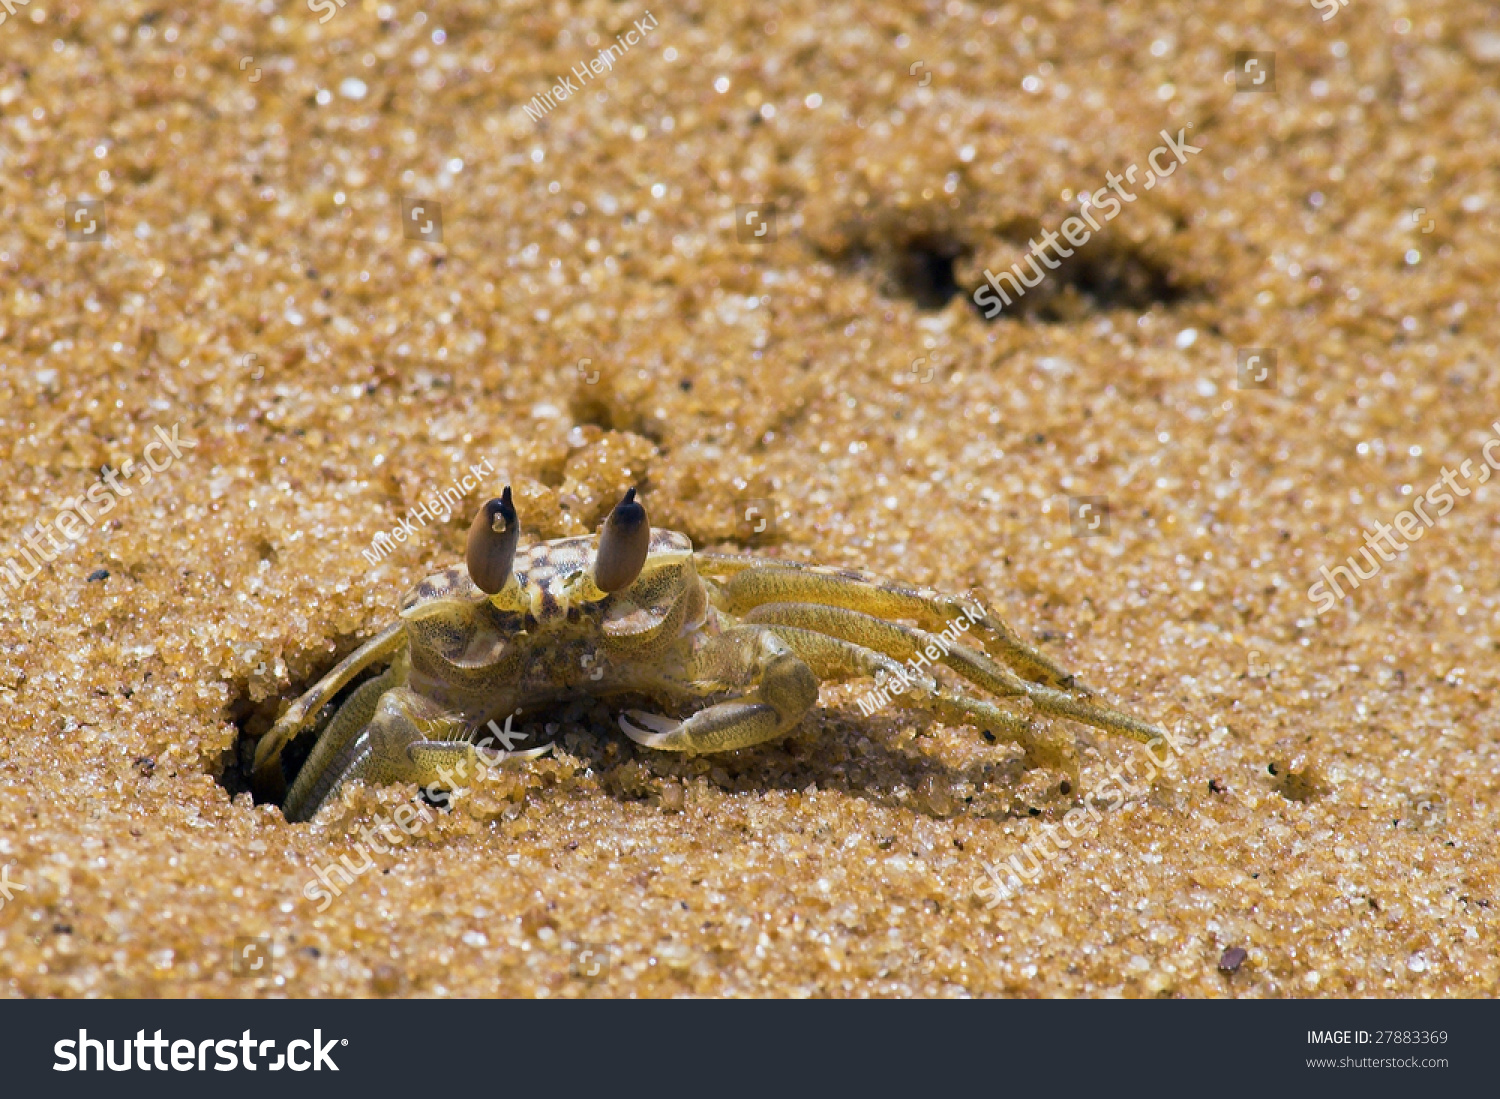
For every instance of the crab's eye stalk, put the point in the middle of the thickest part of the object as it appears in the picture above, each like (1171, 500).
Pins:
(492, 544)
(622, 545)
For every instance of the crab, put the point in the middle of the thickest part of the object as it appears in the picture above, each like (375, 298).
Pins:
(738, 643)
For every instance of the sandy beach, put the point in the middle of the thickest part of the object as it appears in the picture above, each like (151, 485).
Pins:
(274, 276)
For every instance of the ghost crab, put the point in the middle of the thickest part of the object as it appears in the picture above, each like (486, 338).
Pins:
(741, 640)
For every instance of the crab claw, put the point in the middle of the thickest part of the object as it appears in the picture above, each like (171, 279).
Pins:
(495, 757)
(664, 727)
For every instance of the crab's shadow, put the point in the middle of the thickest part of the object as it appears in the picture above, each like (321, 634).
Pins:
(874, 759)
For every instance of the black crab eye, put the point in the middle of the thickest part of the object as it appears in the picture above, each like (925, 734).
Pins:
(493, 537)
(623, 545)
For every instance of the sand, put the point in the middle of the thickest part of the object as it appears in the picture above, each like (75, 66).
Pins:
(592, 319)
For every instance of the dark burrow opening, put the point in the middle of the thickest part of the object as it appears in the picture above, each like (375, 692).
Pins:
(1098, 277)
(607, 750)
(254, 719)
(922, 270)
(918, 268)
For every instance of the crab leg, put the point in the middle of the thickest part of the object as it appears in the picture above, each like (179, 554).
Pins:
(904, 642)
(268, 751)
(333, 743)
(750, 582)
(784, 689)
(393, 735)
(833, 659)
